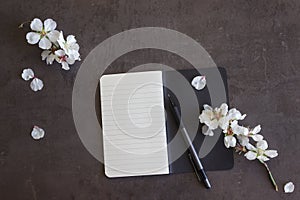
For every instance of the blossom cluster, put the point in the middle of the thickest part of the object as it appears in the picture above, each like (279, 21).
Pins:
(236, 136)
(53, 43)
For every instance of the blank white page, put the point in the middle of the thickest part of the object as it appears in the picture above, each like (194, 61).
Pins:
(133, 122)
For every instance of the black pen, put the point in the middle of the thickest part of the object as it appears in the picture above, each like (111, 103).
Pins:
(193, 156)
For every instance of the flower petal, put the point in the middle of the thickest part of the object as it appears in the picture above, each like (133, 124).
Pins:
(199, 82)
(262, 144)
(50, 59)
(53, 36)
(45, 54)
(229, 141)
(36, 24)
(250, 147)
(71, 39)
(256, 129)
(45, 43)
(32, 37)
(224, 123)
(243, 140)
(61, 40)
(65, 65)
(207, 131)
(60, 53)
(271, 153)
(257, 137)
(70, 61)
(207, 107)
(289, 187)
(224, 109)
(37, 133)
(27, 74)
(212, 124)
(263, 158)
(36, 84)
(250, 155)
(234, 114)
(49, 25)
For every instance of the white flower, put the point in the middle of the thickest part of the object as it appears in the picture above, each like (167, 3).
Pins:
(289, 187)
(37, 133)
(229, 141)
(36, 84)
(241, 132)
(64, 59)
(70, 46)
(260, 152)
(234, 114)
(199, 82)
(48, 56)
(253, 133)
(43, 34)
(214, 117)
(27, 74)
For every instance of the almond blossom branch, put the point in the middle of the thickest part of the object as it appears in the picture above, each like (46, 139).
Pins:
(237, 136)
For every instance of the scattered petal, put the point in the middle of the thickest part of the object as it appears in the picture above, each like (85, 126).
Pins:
(27, 74)
(199, 82)
(36, 84)
(32, 37)
(289, 187)
(37, 133)
(36, 24)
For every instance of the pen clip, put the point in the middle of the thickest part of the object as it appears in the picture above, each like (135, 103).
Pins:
(195, 168)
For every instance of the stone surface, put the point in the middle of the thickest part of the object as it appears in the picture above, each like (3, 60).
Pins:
(257, 41)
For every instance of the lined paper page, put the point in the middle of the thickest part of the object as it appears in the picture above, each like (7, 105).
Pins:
(133, 120)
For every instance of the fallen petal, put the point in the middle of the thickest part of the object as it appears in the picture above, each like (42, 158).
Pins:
(37, 133)
(199, 82)
(27, 74)
(36, 84)
(289, 187)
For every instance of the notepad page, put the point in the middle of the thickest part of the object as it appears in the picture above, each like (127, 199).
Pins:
(133, 122)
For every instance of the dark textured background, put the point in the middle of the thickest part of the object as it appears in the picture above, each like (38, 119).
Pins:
(256, 40)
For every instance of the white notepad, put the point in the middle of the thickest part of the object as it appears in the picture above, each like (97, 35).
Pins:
(133, 122)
